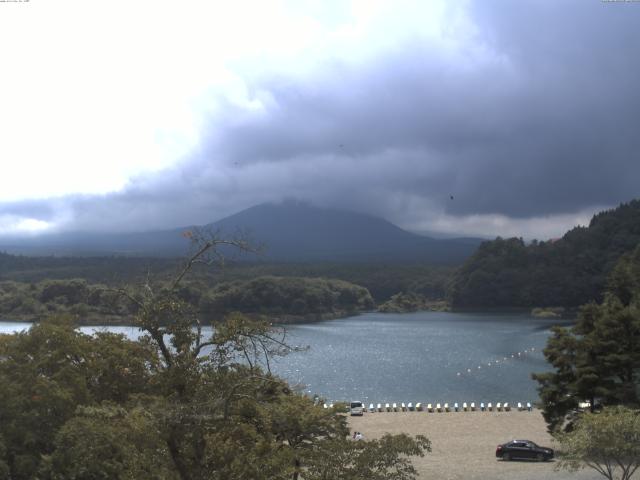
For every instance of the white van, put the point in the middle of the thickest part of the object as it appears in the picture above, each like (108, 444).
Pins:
(357, 408)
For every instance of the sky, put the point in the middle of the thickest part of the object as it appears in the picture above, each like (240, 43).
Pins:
(473, 117)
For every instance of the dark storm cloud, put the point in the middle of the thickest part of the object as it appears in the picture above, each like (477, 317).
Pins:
(540, 116)
(533, 114)
(37, 209)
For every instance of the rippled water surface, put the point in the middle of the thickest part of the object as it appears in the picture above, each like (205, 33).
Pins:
(426, 357)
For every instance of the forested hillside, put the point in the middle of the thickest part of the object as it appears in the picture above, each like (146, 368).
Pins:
(567, 272)
(292, 298)
(276, 296)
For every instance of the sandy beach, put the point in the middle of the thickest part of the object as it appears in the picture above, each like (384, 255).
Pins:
(464, 443)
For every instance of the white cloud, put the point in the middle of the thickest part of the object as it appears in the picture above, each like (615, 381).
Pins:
(545, 227)
(13, 224)
(98, 92)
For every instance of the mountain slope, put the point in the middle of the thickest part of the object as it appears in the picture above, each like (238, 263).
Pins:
(291, 231)
(300, 232)
(567, 272)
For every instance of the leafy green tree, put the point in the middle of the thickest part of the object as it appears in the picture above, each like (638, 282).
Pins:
(608, 442)
(50, 370)
(598, 359)
(109, 442)
(383, 459)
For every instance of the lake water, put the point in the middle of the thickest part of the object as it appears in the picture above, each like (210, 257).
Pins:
(426, 357)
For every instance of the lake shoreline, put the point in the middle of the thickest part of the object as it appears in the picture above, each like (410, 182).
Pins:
(284, 320)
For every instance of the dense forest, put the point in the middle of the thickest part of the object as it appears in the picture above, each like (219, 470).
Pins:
(566, 272)
(382, 280)
(281, 296)
(277, 298)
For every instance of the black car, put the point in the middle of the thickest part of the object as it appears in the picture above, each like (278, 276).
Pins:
(523, 450)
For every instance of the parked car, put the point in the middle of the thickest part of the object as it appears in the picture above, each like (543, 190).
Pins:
(357, 408)
(523, 450)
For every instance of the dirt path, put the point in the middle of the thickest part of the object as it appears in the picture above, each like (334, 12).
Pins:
(464, 443)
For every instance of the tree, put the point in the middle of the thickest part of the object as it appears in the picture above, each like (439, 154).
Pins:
(173, 404)
(47, 372)
(109, 442)
(386, 458)
(607, 442)
(598, 359)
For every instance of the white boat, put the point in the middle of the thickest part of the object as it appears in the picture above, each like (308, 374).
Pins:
(403, 407)
(395, 407)
(464, 406)
(473, 406)
(490, 406)
(499, 406)
(446, 407)
(455, 406)
(430, 408)
(507, 407)
(418, 407)
(379, 407)
(482, 406)
(438, 407)
(387, 407)
(410, 407)
(371, 409)
(519, 406)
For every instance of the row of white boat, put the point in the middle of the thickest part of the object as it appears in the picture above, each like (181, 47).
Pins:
(440, 408)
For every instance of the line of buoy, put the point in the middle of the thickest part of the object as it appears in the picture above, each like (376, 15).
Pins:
(504, 359)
